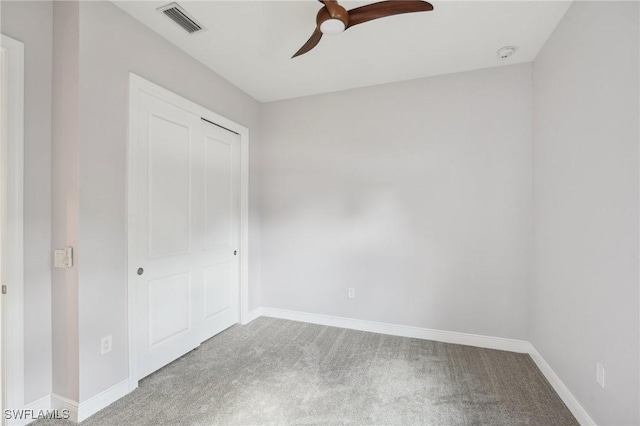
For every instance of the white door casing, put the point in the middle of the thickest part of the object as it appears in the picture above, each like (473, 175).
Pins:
(12, 182)
(187, 215)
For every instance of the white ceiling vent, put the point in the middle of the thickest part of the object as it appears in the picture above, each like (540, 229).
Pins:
(177, 14)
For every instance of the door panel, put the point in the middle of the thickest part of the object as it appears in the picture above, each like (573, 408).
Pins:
(168, 321)
(218, 182)
(217, 289)
(169, 187)
(221, 238)
(169, 307)
(188, 229)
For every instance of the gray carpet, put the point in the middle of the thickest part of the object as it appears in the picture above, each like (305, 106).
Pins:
(281, 372)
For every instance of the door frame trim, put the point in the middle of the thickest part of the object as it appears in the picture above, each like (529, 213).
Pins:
(139, 85)
(13, 162)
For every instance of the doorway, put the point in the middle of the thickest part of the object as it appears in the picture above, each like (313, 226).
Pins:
(11, 223)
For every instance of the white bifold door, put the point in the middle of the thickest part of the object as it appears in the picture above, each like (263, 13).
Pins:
(187, 232)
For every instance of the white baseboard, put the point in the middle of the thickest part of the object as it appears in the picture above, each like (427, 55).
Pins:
(103, 399)
(251, 315)
(84, 410)
(61, 403)
(511, 345)
(567, 397)
(41, 404)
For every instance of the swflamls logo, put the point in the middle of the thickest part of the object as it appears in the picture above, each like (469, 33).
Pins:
(36, 415)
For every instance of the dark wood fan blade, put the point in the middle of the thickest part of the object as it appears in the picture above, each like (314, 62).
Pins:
(310, 44)
(332, 6)
(383, 9)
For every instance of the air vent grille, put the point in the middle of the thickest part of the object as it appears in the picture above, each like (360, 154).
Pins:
(180, 16)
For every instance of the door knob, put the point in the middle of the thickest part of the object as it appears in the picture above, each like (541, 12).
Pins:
(140, 271)
(235, 252)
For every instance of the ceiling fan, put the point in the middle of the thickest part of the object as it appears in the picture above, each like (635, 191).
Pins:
(334, 19)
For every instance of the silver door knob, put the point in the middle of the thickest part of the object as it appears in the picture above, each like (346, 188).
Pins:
(140, 271)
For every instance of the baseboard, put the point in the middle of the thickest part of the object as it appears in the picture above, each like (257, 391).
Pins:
(567, 397)
(103, 399)
(251, 315)
(84, 410)
(61, 403)
(511, 345)
(39, 405)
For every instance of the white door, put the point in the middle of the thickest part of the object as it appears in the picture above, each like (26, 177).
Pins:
(221, 229)
(187, 231)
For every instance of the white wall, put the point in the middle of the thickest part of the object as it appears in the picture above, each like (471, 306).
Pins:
(417, 194)
(31, 23)
(584, 298)
(112, 44)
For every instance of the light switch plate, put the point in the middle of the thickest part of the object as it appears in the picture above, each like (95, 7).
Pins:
(59, 256)
(63, 258)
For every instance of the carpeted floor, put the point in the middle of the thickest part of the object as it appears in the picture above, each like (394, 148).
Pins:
(281, 372)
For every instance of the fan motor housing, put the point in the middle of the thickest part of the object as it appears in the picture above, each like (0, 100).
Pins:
(336, 12)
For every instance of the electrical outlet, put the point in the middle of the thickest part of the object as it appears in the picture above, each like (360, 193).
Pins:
(106, 345)
(351, 293)
(600, 374)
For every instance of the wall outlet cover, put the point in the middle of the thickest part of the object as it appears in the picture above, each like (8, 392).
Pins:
(106, 345)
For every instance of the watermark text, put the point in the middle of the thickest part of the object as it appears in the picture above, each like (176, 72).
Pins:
(36, 414)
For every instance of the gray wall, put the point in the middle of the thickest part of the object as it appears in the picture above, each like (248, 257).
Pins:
(112, 44)
(31, 23)
(417, 194)
(65, 190)
(584, 298)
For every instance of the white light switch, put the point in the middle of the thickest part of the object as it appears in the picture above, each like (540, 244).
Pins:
(59, 256)
(63, 258)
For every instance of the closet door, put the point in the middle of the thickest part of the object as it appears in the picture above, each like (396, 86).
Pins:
(169, 282)
(220, 267)
(187, 232)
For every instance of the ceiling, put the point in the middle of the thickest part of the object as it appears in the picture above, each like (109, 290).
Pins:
(250, 43)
